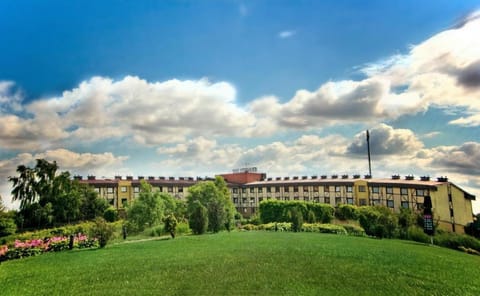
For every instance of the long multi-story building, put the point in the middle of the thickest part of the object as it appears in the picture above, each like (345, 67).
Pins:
(452, 206)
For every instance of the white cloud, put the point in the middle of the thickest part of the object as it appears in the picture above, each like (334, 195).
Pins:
(76, 163)
(286, 34)
(386, 141)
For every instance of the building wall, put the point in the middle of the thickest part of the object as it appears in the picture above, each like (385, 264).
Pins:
(451, 207)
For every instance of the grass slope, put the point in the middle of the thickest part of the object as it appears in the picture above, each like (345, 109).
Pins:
(247, 263)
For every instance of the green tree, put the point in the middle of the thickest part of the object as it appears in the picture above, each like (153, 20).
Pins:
(296, 219)
(198, 217)
(102, 231)
(171, 225)
(145, 211)
(215, 197)
(7, 221)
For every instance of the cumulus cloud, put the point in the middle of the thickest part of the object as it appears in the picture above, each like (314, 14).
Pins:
(385, 141)
(76, 163)
(463, 159)
(149, 113)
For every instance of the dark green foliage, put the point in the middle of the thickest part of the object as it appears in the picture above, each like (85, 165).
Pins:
(455, 241)
(198, 219)
(311, 218)
(7, 225)
(102, 231)
(47, 197)
(280, 211)
(473, 228)
(346, 212)
(416, 233)
(378, 221)
(110, 214)
(171, 225)
(215, 197)
(297, 219)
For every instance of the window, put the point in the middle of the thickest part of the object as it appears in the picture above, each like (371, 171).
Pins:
(390, 203)
(136, 189)
(404, 191)
(97, 190)
(160, 189)
(252, 190)
(170, 189)
(260, 189)
(295, 189)
(180, 189)
(286, 189)
(350, 201)
(235, 190)
(376, 202)
(252, 199)
(244, 200)
(420, 192)
(326, 189)
(338, 200)
(124, 202)
(363, 202)
(260, 199)
(296, 198)
(305, 198)
(305, 189)
(315, 188)
(316, 199)
(287, 198)
(349, 188)
(404, 204)
(244, 190)
(327, 199)
(362, 188)
(110, 201)
(277, 189)
(337, 188)
(110, 190)
(235, 200)
(389, 190)
(375, 189)
(419, 206)
(269, 189)
(123, 188)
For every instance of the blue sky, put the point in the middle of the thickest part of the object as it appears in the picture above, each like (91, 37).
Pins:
(200, 87)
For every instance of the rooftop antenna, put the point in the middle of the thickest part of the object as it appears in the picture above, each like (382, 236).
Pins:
(369, 160)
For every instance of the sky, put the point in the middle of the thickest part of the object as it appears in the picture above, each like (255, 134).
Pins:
(198, 88)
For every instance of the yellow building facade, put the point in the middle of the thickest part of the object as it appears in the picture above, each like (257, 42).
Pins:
(452, 206)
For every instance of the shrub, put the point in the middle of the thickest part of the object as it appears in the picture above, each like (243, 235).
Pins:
(346, 212)
(249, 227)
(416, 233)
(198, 220)
(171, 225)
(7, 226)
(183, 228)
(378, 221)
(354, 230)
(110, 214)
(297, 220)
(455, 241)
(324, 228)
(102, 231)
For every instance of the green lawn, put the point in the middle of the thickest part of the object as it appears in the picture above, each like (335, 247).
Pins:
(248, 263)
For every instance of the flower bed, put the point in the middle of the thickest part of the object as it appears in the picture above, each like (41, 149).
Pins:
(27, 248)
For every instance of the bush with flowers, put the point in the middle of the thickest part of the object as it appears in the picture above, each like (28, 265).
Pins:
(32, 247)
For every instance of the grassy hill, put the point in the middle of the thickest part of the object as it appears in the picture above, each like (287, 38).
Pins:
(248, 263)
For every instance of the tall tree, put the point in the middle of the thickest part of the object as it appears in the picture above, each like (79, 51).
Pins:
(214, 196)
(145, 211)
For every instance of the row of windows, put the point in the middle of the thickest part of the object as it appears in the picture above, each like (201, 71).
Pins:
(289, 189)
(136, 189)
